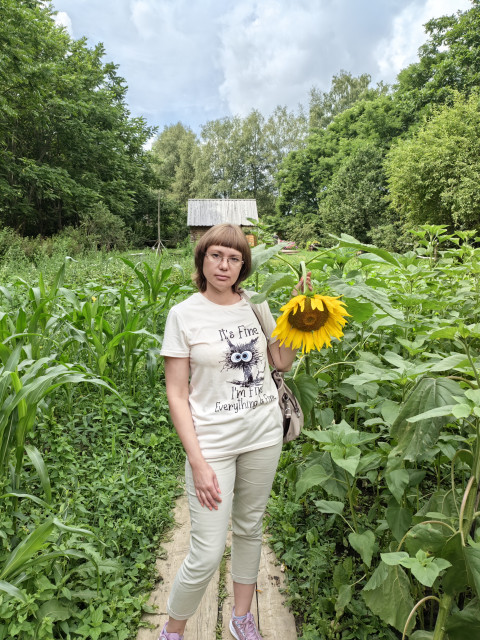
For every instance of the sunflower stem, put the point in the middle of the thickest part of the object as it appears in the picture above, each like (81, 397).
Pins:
(323, 253)
(279, 257)
(303, 267)
(350, 501)
(466, 347)
(307, 370)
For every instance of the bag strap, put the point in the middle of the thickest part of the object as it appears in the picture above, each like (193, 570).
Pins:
(253, 308)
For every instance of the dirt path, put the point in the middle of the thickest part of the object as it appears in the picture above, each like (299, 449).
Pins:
(276, 622)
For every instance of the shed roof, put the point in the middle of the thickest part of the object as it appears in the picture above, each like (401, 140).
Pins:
(207, 212)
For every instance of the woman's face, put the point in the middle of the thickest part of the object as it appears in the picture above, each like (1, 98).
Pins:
(221, 267)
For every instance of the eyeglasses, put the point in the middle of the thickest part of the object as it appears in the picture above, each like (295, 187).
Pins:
(217, 258)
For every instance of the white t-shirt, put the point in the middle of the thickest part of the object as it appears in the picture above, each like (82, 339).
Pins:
(233, 399)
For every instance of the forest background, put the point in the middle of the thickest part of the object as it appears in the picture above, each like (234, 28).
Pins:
(369, 161)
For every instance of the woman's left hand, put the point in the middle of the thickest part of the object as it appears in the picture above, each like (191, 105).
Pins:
(298, 288)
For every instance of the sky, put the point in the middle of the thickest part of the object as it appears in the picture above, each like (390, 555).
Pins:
(198, 60)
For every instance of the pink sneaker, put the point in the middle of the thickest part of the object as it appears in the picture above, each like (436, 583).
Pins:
(245, 629)
(169, 636)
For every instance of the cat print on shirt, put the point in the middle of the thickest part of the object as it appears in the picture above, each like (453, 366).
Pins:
(244, 357)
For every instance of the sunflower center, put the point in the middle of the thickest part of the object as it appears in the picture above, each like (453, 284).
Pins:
(309, 319)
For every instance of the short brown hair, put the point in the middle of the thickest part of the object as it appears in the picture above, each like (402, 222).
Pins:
(224, 235)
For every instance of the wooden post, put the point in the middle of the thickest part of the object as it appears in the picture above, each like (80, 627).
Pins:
(159, 238)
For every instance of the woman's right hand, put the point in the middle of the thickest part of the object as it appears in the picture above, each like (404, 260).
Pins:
(206, 485)
(204, 477)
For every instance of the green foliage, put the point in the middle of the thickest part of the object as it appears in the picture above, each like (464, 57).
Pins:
(313, 181)
(67, 142)
(236, 158)
(433, 175)
(71, 156)
(176, 153)
(388, 463)
(87, 478)
(103, 229)
(99, 582)
(390, 459)
(320, 574)
(344, 92)
(374, 507)
(354, 196)
(448, 62)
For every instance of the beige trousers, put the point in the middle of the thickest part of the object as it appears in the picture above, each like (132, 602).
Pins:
(245, 482)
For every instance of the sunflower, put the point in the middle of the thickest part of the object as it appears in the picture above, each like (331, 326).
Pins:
(309, 322)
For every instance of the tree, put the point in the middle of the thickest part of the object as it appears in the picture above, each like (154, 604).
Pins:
(449, 63)
(433, 177)
(345, 91)
(298, 183)
(285, 131)
(355, 198)
(306, 176)
(216, 173)
(176, 150)
(67, 142)
(254, 175)
(352, 116)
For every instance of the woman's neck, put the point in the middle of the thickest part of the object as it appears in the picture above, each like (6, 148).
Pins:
(226, 297)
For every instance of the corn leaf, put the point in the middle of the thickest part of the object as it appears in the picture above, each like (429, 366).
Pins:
(13, 591)
(36, 458)
(26, 549)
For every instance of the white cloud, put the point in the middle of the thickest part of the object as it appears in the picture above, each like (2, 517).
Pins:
(170, 58)
(265, 61)
(400, 48)
(273, 51)
(149, 143)
(62, 19)
(200, 60)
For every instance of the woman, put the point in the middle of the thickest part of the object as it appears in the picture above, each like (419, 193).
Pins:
(224, 406)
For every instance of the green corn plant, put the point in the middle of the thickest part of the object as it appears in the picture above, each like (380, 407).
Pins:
(38, 318)
(154, 281)
(112, 348)
(85, 324)
(32, 552)
(7, 328)
(23, 385)
(137, 344)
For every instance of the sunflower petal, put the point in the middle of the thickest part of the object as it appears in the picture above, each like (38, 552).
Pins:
(331, 314)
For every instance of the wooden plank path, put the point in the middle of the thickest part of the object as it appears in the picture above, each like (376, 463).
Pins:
(276, 622)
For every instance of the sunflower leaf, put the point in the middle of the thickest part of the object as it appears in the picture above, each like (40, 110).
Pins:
(360, 311)
(305, 389)
(361, 290)
(262, 254)
(464, 624)
(272, 283)
(430, 396)
(364, 544)
(349, 241)
(324, 474)
(387, 594)
(330, 506)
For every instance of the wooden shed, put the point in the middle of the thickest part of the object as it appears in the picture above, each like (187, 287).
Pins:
(204, 213)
